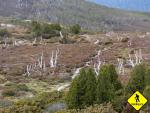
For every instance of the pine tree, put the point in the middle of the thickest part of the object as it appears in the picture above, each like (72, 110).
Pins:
(90, 93)
(72, 99)
(146, 93)
(137, 81)
(113, 76)
(36, 28)
(105, 88)
(75, 97)
(112, 73)
(147, 77)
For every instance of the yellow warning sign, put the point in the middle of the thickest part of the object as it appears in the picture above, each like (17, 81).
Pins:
(137, 100)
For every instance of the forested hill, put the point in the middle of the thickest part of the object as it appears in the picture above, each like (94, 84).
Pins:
(87, 14)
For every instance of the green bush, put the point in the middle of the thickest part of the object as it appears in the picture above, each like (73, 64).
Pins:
(9, 92)
(146, 93)
(82, 91)
(34, 105)
(5, 103)
(22, 87)
(36, 28)
(18, 87)
(137, 81)
(75, 29)
(4, 32)
(50, 30)
(44, 29)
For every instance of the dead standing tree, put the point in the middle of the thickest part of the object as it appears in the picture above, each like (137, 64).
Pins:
(121, 66)
(40, 64)
(54, 59)
(136, 59)
(98, 62)
(5, 45)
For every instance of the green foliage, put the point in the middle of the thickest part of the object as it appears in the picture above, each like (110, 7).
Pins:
(22, 108)
(146, 93)
(34, 105)
(105, 90)
(12, 89)
(36, 28)
(76, 29)
(107, 84)
(147, 77)
(50, 28)
(9, 92)
(75, 98)
(72, 97)
(39, 29)
(113, 76)
(137, 81)
(4, 32)
(86, 90)
(17, 87)
(5, 103)
(56, 27)
(22, 87)
(82, 91)
(90, 84)
(119, 102)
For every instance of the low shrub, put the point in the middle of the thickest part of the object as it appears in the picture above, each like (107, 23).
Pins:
(33, 105)
(75, 29)
(4, 32)
(9, 92)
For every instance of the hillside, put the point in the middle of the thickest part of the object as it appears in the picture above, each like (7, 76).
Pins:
(88, 15)
(50, 64)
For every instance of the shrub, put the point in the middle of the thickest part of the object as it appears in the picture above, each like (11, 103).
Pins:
(146, 93)
(50, 30)
(4, 32)
(147, 78)
(137, 81)
(107, 84)
(17, 87)
(36, 28)
(22, 87)
(34, 105)
(82, 91)
(76, 29)
(56, 27)
(5, 103)
(9, 92)
(90, 84)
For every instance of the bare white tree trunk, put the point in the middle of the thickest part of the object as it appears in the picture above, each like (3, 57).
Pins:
(54, 59)
(5, 45)
(137, 59)
(120, 66)
(41, 41)
(40, 61)
(28, 69)
(34, 42)
(61, 35)
(98, 63)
